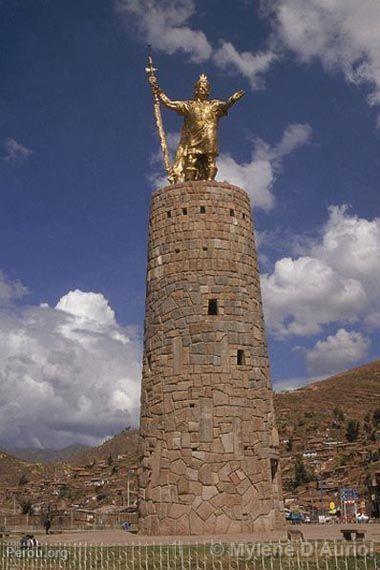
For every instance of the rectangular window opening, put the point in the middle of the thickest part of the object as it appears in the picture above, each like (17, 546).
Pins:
(232, 212)
(191, 405)
(184, 211)
(205, 248)
(149, 362)
(243, 216)
(177, 250)
(202, 209)
(273, 467)
(169, 214)
(213, 307)
(240, 357)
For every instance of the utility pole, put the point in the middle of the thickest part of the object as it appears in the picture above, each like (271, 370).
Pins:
(128, 492)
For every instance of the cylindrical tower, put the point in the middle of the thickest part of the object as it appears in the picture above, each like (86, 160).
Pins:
(210, 446)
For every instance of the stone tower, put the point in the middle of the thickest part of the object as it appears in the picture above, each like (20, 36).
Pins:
(210, 446)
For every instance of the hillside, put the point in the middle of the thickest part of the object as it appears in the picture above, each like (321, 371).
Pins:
(12, 469)
(16, 475)
(312, 424)
(91, 478)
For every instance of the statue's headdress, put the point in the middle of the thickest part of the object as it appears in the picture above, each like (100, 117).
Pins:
(202, 82)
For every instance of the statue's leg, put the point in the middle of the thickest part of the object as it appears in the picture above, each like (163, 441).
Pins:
(191, 167)
(178, 168)
(211, 167)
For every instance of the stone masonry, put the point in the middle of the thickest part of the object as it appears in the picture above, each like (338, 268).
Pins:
(209, 442)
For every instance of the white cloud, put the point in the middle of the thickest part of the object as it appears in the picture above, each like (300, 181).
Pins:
(15, 151)
(303, 294)
(344, 35)
(337, 352)
(259, 175)
(67, 374)
(351, 244)
(163, 24)
(88, 307)
(10, 291)
(335, 280)
(250, 65)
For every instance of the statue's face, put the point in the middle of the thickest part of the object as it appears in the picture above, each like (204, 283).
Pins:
(201, 92)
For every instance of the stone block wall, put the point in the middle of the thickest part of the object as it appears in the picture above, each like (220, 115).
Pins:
(209, 442)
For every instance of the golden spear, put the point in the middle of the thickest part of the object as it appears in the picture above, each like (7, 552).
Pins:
(150, 69)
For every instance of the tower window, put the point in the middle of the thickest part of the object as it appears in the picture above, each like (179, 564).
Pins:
(213, 307)
(273, 467)
(232, 212)
(205, 248)
(202, 209)
(240, 357)
(177, 250)
(169, 214)
(149, 363)
(184, 211)
(243, 216)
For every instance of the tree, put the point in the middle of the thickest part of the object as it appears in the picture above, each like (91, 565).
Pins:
(23, 480)
(339, 414)
(288, 485)
(64, 492)
(289, 444)
(352, 431)
(26, 506)
(301, 474)
(368, 422)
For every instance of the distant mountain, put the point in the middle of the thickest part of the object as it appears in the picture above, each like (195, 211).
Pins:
(36, 455)
(123, 443)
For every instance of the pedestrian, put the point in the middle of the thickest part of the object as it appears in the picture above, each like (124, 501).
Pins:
(47, 525)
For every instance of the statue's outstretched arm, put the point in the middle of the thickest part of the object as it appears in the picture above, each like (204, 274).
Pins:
(175, 105)
(234, 98)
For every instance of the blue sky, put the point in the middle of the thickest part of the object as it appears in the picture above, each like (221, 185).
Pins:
(76, 173)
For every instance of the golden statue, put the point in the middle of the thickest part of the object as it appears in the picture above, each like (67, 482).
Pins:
(196, 154)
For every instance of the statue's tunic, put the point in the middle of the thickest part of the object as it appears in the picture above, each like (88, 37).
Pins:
(199, 131)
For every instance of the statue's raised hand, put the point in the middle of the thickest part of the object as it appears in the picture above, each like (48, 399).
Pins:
(238, 95)
(154, 84)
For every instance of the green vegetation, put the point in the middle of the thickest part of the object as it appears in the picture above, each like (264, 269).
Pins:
(302, 475)
(176, 557)
(339, 414)
(23, 480)
(26, 506)
(352, 431)
(65, 492)
(289, 444)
